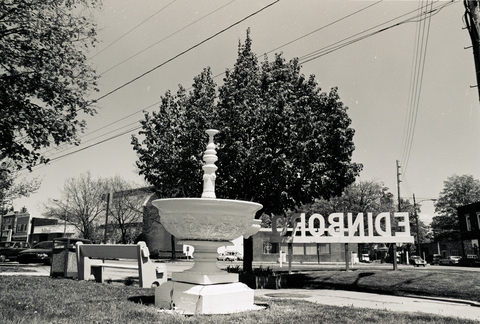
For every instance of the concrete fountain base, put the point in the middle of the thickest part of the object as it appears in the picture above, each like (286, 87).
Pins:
(205, 299)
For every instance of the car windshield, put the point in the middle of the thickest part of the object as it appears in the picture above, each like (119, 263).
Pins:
(5, 244)
(43, 245)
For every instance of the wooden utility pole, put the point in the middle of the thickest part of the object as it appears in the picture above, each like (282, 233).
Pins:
(394, 248)
(108, 197)
(472, 20)
(398, 186)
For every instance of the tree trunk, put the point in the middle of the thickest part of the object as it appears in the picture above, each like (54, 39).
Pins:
(248, 254)
(248, 248)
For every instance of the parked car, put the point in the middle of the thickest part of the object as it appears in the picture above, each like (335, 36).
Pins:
(417, 261)
(229, 256)
(39, 253)
(470, 260)
(9, 250)
(365, 258)
(451, 260)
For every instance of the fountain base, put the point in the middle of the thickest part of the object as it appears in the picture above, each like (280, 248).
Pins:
(205, 299)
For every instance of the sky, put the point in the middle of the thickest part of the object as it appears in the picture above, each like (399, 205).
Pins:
(375, 77)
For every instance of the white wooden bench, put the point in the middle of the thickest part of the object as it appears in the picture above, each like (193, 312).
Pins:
(149, 273)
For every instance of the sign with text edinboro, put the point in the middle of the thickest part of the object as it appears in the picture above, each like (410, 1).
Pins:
(341, 228)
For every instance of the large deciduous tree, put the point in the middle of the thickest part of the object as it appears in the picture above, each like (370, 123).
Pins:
(44, 76)
(457, 191)
(282, 141)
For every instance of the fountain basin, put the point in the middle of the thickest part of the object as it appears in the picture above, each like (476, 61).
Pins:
(206, 219)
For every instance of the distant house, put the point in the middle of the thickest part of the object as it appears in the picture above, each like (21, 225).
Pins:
(47, 229)
(469, 222)
(21, 226)
(267, 249)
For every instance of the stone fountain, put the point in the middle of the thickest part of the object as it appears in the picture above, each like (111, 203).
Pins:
(206, 223)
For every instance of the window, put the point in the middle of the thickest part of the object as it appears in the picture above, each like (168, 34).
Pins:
(324, 248)
(270, 248)
(298, 249)
(310, 249)
(467, 220)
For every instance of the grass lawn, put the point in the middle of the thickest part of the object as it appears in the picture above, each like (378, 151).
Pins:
(49, 300)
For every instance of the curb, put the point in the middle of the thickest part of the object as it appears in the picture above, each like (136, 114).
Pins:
(446, 299)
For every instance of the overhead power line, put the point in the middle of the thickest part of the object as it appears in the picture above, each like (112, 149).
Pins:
(290, 42)
(163, 39)
(434, 10)
(184, 52)
(325, 26)
(363, 34)
(420, 51)
(128, 32)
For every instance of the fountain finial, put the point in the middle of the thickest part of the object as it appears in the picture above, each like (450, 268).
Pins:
(209, 168)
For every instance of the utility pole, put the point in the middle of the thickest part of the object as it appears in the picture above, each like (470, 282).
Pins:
(398, 186)
(416, 221)
(472, 20)
(108, 197)
(399, 209)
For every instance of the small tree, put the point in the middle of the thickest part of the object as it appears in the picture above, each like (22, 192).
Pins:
(126, 210)
(364, 197)
(12, 186)
(457, 191)
(81, 204)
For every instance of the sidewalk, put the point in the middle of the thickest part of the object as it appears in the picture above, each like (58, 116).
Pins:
(37, 271)
(438, 306)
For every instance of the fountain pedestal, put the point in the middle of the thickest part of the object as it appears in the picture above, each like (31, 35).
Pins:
(204, 288)
(205, 271)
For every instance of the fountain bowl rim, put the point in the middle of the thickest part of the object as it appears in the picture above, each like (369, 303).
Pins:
(208, 200)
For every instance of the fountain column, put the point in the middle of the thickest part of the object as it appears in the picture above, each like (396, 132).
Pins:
(209, 157)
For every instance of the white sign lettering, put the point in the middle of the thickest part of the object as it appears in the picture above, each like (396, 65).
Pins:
(378, 230)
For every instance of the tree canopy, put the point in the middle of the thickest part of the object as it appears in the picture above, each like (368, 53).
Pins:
(44, 76)
(282, 141)
(457, 191)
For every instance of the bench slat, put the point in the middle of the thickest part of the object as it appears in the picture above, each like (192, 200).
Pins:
(110, 265)
(110, 251)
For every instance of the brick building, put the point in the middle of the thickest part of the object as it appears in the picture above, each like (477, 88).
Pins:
(469, 222)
